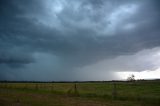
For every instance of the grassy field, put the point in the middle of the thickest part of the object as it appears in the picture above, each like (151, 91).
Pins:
(144, 93)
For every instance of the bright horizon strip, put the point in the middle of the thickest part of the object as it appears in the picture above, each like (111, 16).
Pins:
(140, 75)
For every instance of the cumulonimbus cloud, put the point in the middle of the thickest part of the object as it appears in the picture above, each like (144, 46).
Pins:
(78, 33)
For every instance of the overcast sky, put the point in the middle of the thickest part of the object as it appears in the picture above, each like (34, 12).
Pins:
(79, 39)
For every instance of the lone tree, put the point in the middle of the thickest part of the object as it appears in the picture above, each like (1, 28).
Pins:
(131, 78)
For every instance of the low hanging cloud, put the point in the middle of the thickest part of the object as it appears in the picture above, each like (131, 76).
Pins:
(141, 61)
(57, 39)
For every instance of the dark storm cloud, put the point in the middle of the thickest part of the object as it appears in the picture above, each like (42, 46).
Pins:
(78, 33)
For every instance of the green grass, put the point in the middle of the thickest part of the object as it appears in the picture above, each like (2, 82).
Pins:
(145, 93)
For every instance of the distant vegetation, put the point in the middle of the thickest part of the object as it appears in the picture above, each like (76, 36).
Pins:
(111, 93)
(131, 78)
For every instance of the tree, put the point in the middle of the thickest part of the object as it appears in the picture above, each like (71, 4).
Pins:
(131, 78)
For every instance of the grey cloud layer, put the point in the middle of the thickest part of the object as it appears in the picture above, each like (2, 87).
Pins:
(78, 33)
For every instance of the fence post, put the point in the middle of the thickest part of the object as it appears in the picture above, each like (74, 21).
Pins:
(114, 92)
(36, 86)
(52, 87)
(76, 90)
